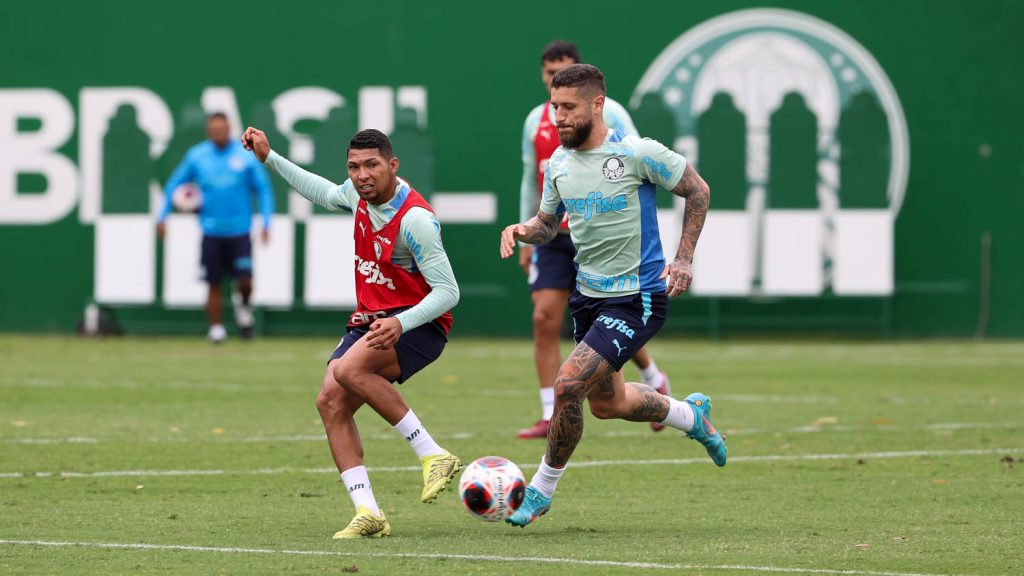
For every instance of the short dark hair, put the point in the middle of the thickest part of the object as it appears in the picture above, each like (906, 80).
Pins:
(370, 138)
(560, 49)
(585, 77)
(216, 116)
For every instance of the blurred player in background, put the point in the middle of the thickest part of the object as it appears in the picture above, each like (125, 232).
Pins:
(405, 288)
(606, 181)
(227, 177)
(549, 267)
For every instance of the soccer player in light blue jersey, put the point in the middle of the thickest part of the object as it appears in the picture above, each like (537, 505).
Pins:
(606, 181)
(228, 177)
(549, 268)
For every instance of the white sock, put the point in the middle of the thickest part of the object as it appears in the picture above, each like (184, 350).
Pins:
(680, 415)
(417, 436)
(357, 482)
(651, 375)
(547, 402)
(546, 478)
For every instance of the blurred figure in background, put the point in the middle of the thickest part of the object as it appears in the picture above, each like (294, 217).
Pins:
(227, 177)
(549, 267)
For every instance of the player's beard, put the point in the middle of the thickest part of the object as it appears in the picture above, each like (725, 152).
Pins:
(579, 135)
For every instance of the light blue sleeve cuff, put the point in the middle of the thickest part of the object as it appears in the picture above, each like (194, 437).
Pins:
(443, 296)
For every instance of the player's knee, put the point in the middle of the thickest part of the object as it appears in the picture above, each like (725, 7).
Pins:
(545, 321)
(332, 395)
(568, 390)
(327, 401)
(333, 400)
(602, 410)
(343, 373)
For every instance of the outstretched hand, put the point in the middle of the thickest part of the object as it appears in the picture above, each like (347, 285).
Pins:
(509, 236)
(256, 141)
(679, 274)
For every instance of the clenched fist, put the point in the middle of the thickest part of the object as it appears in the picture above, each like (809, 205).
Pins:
(256, 141)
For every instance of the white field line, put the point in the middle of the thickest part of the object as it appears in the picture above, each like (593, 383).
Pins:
(68, 440)
(218, 439)
(310, 391)
(584, 464)
(466, 557)
(824, 428)
(93, 384)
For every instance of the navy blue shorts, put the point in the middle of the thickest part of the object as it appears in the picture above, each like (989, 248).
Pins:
(553, 266)
(416, 348)
(226, 254)
(617, 327)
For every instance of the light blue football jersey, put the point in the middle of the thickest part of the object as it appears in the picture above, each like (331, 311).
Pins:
(609, 195)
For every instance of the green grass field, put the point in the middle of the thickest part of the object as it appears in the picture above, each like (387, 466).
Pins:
(170, 456)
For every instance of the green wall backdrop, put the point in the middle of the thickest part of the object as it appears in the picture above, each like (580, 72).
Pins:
(956, 67)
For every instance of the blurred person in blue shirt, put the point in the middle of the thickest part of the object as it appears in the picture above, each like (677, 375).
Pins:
(227, 177)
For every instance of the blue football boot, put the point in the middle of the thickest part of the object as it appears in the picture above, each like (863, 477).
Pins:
(534, 504)
(703, 431)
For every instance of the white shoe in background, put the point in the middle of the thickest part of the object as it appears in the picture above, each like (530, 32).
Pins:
(244, 318)
(217, 334)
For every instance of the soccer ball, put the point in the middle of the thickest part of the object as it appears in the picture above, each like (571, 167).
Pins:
(187, 198)
(492, 488)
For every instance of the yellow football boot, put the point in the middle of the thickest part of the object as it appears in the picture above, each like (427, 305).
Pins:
(438, 472)
(366, 524)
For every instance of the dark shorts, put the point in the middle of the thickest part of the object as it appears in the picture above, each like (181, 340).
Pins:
(223, 254)
(617, 327)
(416, 348)
(553, 266)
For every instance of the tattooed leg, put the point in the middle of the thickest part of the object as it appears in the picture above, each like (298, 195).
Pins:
(578, 376)
(616, 398)
(644, 404)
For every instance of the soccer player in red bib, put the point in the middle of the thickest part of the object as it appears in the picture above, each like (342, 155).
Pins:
(549, 267)
(405, 288)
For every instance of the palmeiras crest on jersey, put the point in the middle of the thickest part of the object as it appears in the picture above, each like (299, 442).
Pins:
(613, 168)
(803, 141)
(377, 249)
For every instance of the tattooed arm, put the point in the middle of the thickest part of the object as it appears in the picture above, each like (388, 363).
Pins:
(698, 196)
(537, 230)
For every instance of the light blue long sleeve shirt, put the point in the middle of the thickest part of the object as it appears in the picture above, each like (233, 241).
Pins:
(418, 247)
(228, 178)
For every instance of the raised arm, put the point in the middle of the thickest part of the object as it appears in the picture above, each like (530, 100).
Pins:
(698, 197)
(316, 189)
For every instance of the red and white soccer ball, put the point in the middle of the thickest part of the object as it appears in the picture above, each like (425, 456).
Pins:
(187, 198)
(492, 488)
